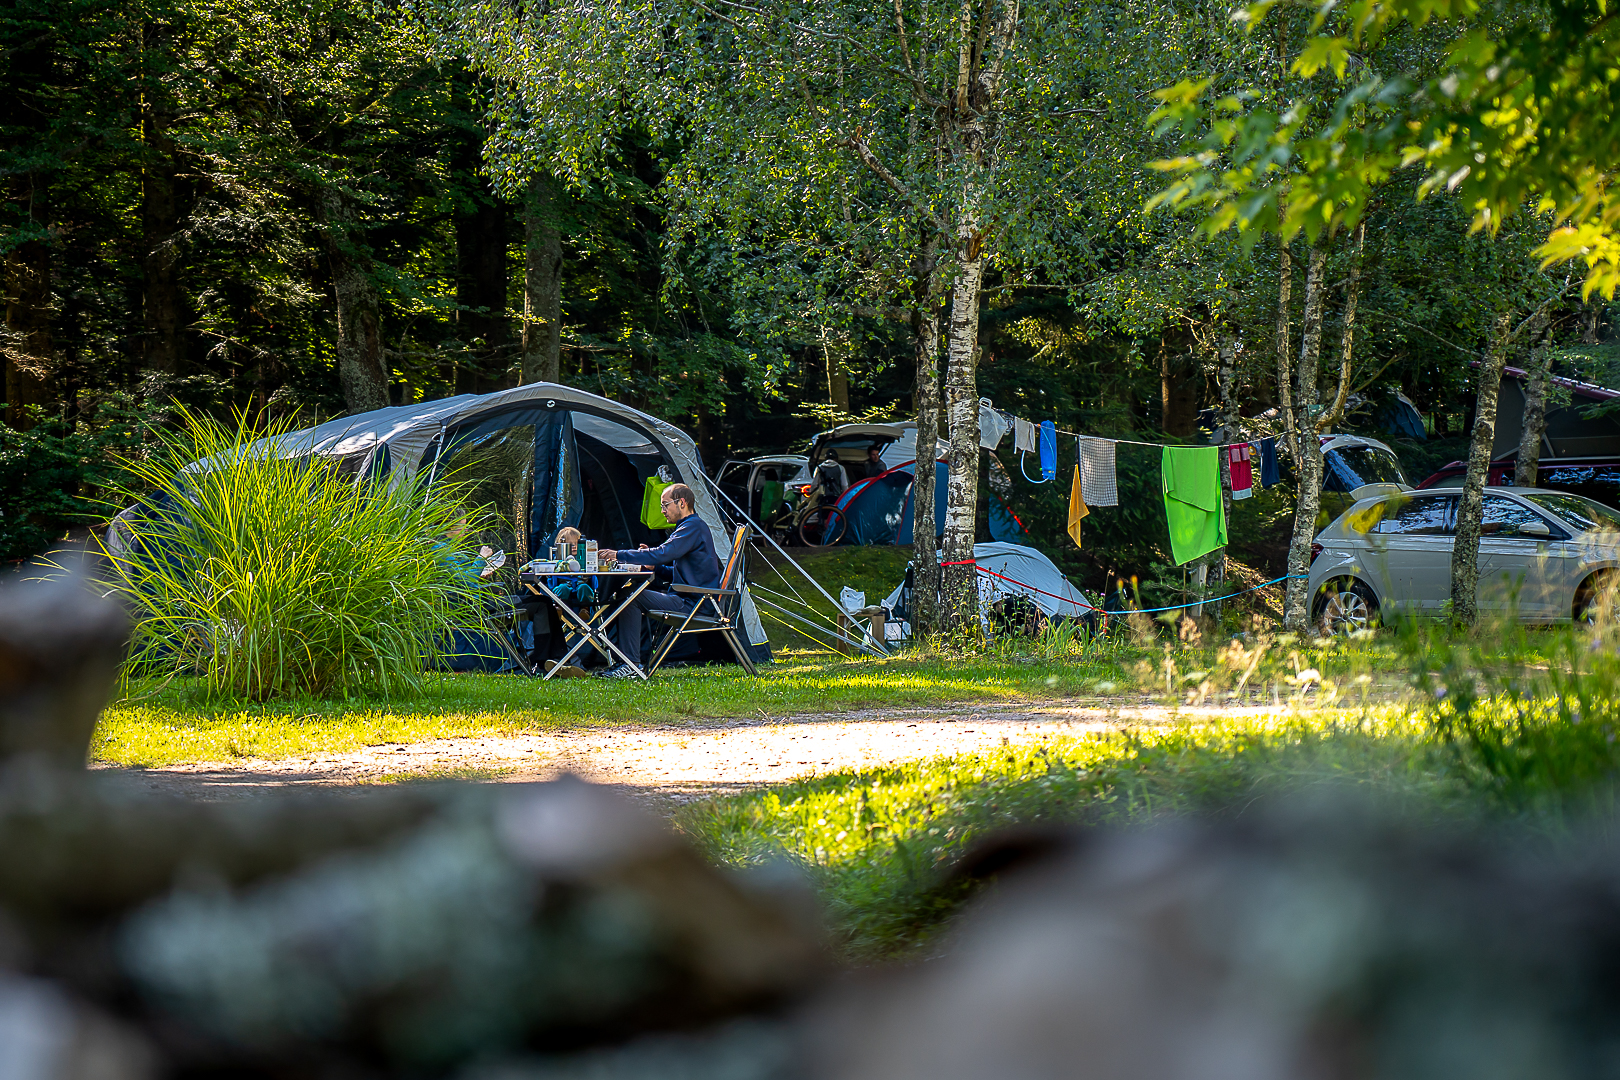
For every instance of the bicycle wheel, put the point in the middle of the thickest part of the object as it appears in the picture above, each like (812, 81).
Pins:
(821, 527)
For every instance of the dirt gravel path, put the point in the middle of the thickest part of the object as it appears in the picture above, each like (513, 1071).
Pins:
(668, 765)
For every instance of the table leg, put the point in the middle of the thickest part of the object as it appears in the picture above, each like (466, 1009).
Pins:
(595, 633)
(608, 621)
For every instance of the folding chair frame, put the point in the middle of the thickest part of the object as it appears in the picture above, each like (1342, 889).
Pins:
(717, 601)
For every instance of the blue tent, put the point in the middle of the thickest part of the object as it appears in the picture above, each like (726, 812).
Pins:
(878, 509)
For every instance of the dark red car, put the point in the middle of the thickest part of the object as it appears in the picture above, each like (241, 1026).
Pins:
(1597, 478)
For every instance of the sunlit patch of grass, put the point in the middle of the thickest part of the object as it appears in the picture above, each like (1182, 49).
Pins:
(877, 843)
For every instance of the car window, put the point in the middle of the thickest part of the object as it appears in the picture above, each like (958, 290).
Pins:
(1350, 467)
(1584, 514)
(1506, 518)
(1565, 477)
(1605, 486)
(1418, 517)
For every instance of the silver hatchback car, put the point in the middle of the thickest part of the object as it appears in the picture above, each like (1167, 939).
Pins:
(1544, 556)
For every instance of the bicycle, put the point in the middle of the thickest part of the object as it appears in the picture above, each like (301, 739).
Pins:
(814, 520)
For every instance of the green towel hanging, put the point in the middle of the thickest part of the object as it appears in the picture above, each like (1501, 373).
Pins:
(1191, 478)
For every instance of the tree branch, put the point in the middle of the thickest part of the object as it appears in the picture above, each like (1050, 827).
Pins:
(858, 144)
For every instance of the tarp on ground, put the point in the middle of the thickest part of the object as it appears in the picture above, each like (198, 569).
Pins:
(878, 510)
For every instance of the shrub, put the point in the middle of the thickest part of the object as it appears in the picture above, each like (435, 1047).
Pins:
(56, 469)
(271, 577)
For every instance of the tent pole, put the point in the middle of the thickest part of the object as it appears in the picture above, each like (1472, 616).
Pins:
(865, 634)
(861, 645)
(438, 453)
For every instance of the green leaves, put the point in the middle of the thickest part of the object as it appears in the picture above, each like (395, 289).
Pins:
(1507, 117)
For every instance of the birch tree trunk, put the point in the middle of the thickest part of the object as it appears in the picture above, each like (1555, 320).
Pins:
(959, 588)
(359, 338)
(1225, 433)
(1285, 356)
(1347, 339)
(1308, 454)
(1470, 508)
(925, 341)
(1534, 427)
(542, 284)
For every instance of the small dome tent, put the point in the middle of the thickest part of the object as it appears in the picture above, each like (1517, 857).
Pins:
(1016, 570)
(546, 455)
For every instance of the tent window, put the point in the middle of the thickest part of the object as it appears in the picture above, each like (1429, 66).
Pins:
(495, 470)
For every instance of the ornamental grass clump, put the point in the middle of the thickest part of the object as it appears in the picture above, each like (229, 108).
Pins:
(267, 576)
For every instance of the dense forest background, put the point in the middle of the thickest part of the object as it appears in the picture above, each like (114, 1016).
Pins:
(311, 208)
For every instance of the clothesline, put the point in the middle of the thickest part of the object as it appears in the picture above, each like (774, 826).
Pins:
(1195, 482)
(1139, 442)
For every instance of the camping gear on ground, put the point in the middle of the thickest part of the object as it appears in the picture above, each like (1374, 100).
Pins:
(715, 610)
(1192, 501)
(1007, 570)
(543, 456)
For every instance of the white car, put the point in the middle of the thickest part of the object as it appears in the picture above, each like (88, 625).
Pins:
(1544, 556)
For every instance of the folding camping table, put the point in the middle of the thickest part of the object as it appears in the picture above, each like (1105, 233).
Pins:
(591, 630)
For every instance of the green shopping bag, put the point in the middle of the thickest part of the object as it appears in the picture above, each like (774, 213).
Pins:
(652, 509)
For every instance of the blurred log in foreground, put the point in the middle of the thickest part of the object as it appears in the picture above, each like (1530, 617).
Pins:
(1300, 942)
(413, 931)
(60, 646)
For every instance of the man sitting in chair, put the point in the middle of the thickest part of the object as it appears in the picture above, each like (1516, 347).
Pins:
(689, 552)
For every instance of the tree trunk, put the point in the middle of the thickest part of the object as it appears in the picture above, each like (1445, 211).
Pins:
(542, 284)
(1285, 357)
(925, 344)
(161, 345)
(28, 343)
(1308, 455)
(359, 337)
(959, 586)
(1534, 427)
(1178, 391)
(837, 376)
(1225, 434)
(481, 291)
(1470, 508)
(1347, 339)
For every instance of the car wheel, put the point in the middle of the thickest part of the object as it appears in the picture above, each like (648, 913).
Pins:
(1344, 606)
(1595, 595)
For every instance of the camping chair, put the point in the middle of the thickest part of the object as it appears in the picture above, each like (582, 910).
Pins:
(716, 611)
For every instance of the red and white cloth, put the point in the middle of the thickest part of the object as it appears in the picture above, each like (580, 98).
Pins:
(1240, 466)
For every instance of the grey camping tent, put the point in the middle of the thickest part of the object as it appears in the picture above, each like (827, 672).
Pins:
(544, 454)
